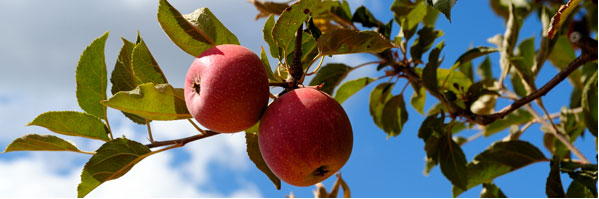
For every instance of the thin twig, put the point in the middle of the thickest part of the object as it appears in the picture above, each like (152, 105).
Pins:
(108, 125)
(196, 126)
(149, 131)
(182, 141)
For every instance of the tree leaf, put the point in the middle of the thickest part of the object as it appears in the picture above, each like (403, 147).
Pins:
(378, 97)
(425, 40)
(331, 75)
(275, 51)
(491, 190)
(499, 159)
(91, 78)
(35, 142)
(363, 16)
(524, 60)
(351, 87)
(429, 73)
(266, 8)
(145, 68)
(153, 102)
(561, 55)
(553, 186)
(193, 33)
(589, 104)
(484, 69)
(122, 77)
(290, 20)
(394, 115)
(346, 41)
(466, 69)
(266, 64)
(578, 190)
(453, 162)
(517, 117)
(560, 17)
(253, 150)
(418, 98)
(476, 52)
(72, 123)
(111, 161)
(444, 6)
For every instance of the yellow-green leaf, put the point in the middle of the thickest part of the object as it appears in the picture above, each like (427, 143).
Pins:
(290, 20)
(35, 142)
(253, 150)
(111, 161)
(346, 41)
(153, 102)
(349, 88)
(91, 78)
(72, 123)
(145, 68)
(193, 33)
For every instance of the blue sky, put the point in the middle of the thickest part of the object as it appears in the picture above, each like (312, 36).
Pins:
(40, 44)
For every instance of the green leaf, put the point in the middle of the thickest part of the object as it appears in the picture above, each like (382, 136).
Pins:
(518, 84)
(266, 8)
(418, 98)
(91, 78)
(122, 77)
(444, 6)
(499, 159)
(466, 69)
(484, 69)
(253, 150)
(346, 41)
(448, 79)
(193, 33)
(35, 142)
(561, 55)
(491, 190)
(429, 73)
(111, 161)
(425, 40)
(331, 75)
(153, 102)
(394, 115)
(578, 190)
(431, 16)
(453, 162)
(363, 16)
(476, 52)
(378, 97)
(290, 20)
(561, 16)
(501, 7)
(264, 59)
(517, 117)
(351, 87)
(275, 51)
(524, 60)
(589, 104)
(553, 186)
(145, 68)
(72, 123)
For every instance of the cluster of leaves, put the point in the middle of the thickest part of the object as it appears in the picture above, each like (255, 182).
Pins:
(458, 91)
(141, 91)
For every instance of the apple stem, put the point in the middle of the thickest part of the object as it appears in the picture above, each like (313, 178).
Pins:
(149, 131)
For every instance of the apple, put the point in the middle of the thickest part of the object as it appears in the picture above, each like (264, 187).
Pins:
(305, 136)
(226, 88)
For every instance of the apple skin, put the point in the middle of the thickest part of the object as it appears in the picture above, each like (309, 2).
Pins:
(305, 136)
(226, 88)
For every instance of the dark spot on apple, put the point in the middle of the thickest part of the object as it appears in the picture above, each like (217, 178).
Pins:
(368, 46)
(320, 171)
(196, 85)
(306, 11)
(288, 9)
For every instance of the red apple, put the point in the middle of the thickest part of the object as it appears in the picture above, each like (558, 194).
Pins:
(226, 88)
(305, 136)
